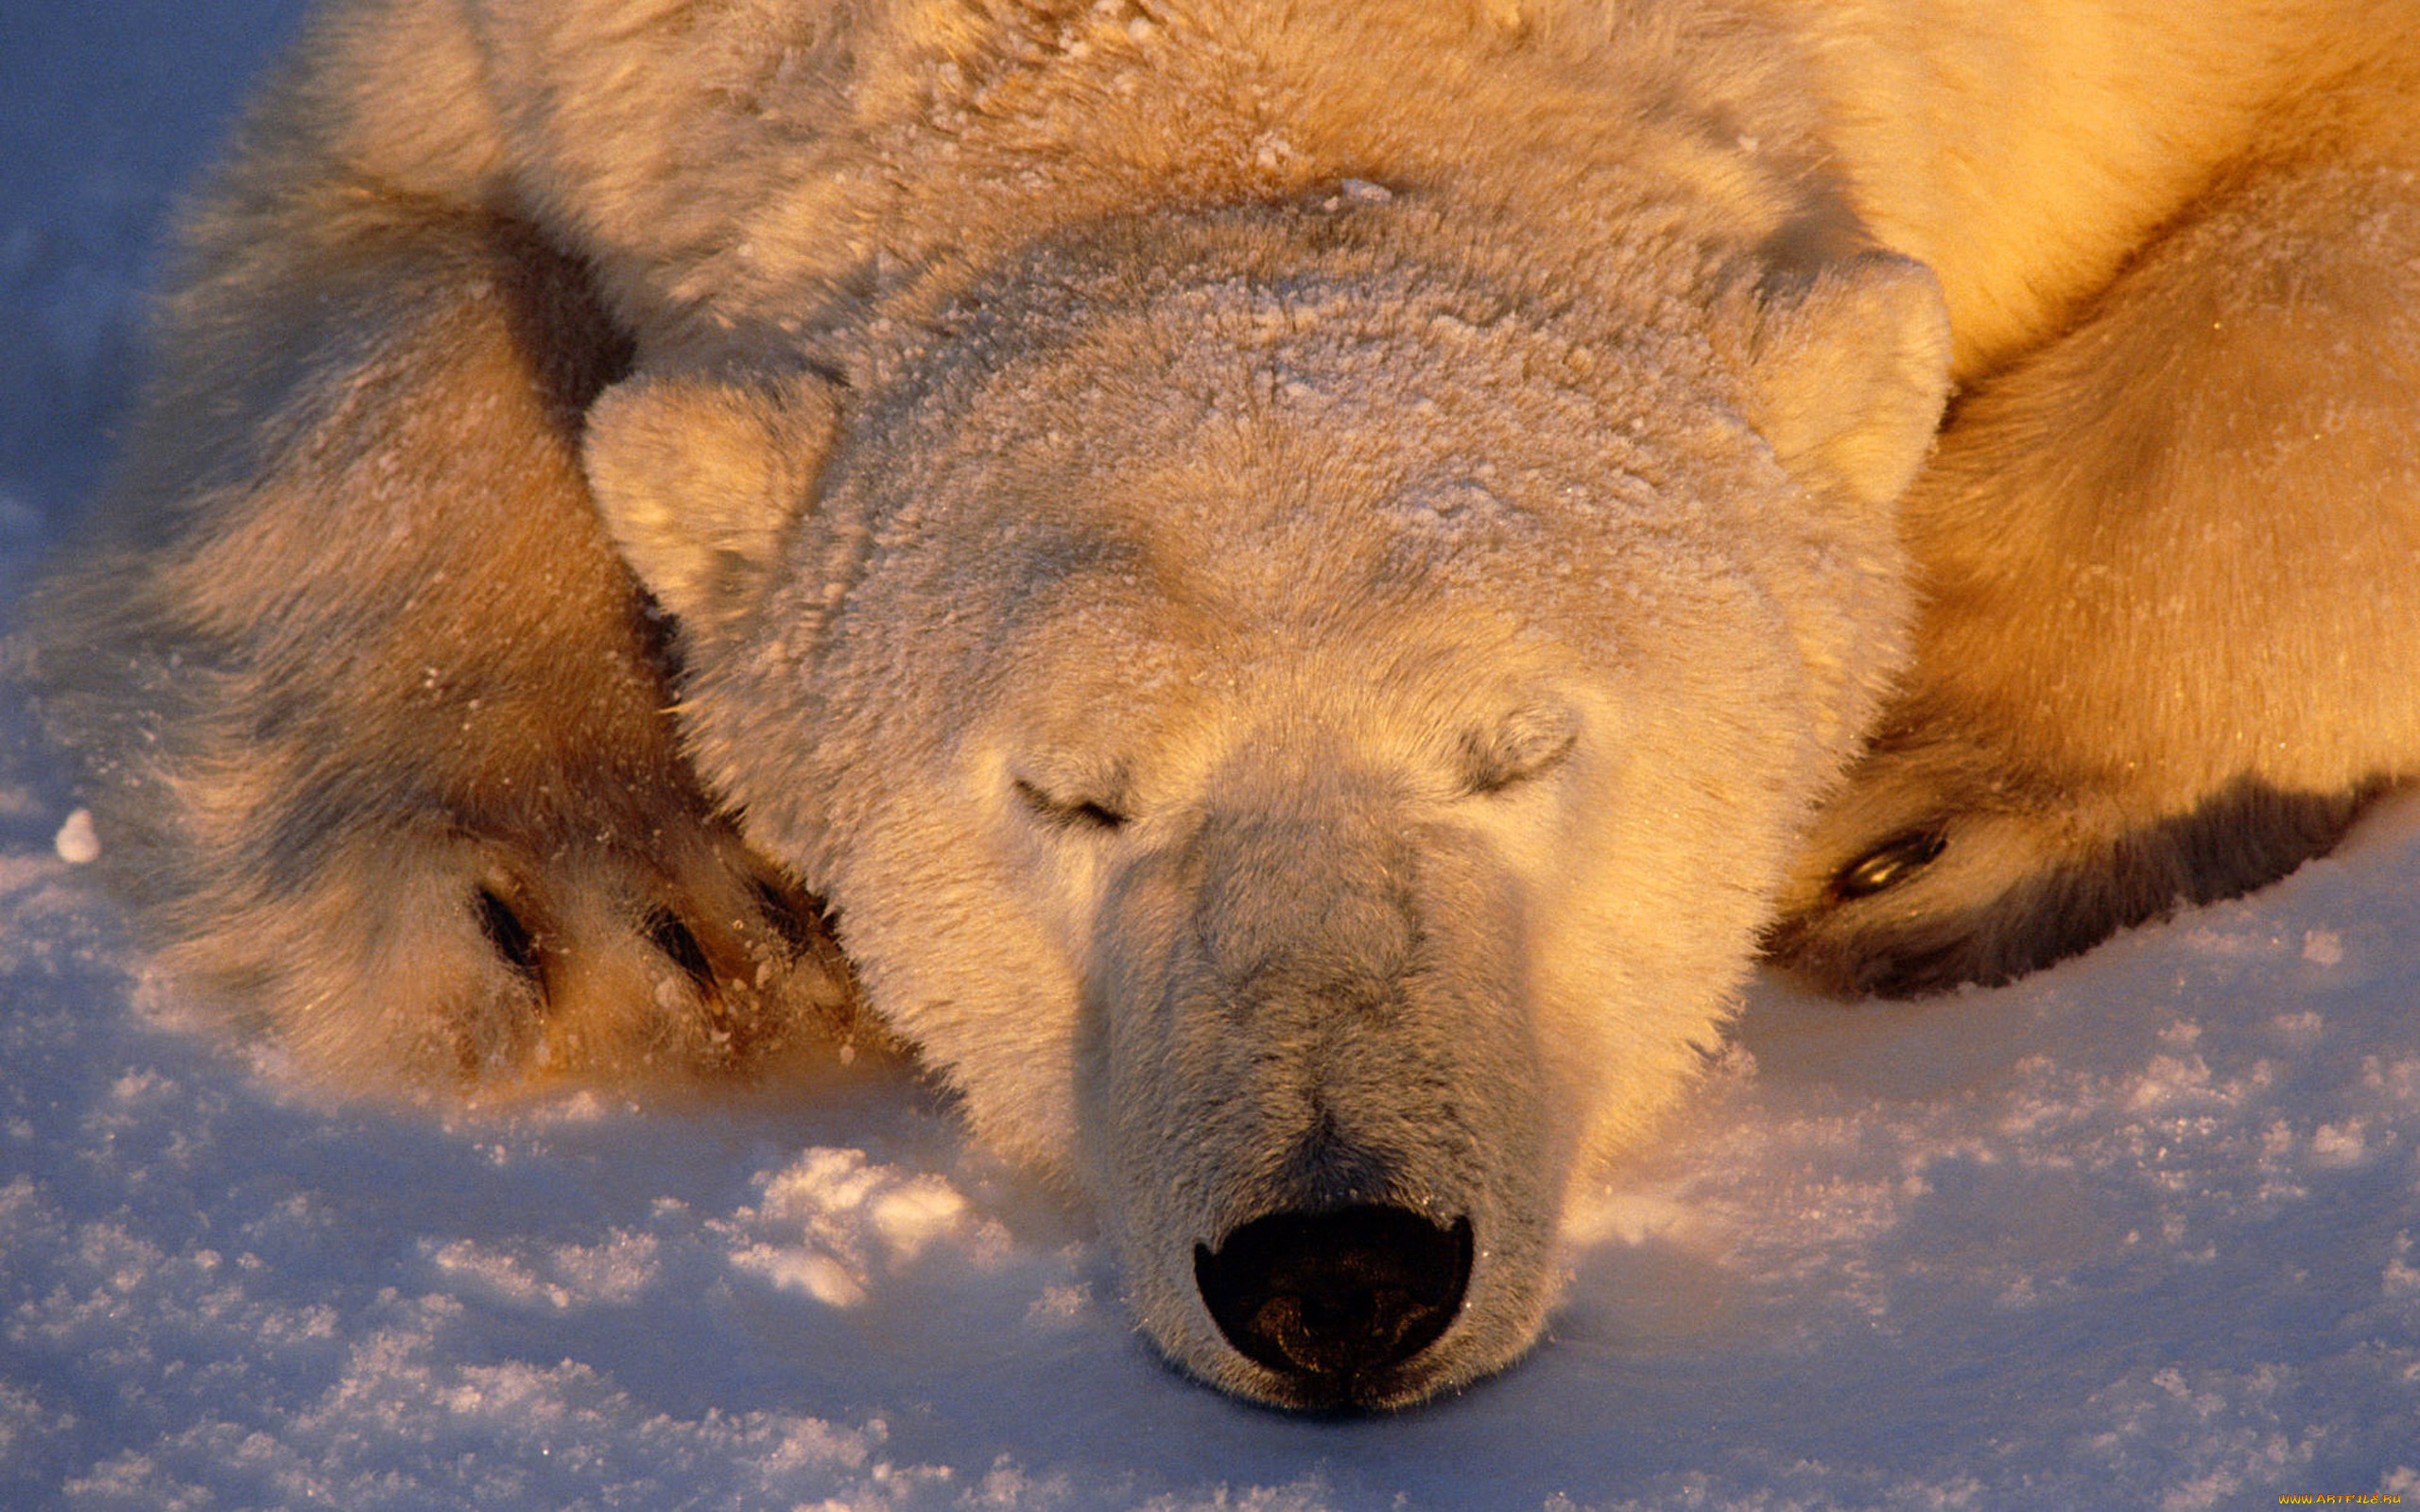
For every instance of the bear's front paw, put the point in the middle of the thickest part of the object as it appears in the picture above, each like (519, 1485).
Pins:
(696, 957)
(458, 960)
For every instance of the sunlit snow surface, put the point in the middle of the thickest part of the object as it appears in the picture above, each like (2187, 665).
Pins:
(2139, 1232)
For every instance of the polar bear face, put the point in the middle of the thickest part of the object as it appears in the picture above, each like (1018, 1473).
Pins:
(1307, 756)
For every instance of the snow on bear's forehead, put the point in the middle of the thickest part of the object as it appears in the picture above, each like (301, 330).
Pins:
(1391, 370)
(1289, 438)
(1413, 345)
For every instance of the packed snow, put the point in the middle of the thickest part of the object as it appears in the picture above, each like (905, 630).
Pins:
(2140, 1232)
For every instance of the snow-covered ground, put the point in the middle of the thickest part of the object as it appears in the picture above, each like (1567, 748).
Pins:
(2142, 1231)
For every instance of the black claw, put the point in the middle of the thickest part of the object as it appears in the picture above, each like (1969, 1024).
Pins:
(790, 917)
(510, 937)
(667, 934)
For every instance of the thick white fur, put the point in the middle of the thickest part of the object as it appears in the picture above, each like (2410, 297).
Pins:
(1294, 575)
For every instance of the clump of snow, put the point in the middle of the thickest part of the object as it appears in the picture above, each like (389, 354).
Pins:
(831, 1223)
(75, 842)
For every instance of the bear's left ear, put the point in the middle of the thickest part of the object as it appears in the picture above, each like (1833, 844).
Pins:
(1849, 371)
(696, 480)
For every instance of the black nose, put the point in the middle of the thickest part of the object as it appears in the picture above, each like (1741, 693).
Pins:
(1332, 1298)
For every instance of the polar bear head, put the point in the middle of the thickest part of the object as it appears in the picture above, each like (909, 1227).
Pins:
(1302, 734)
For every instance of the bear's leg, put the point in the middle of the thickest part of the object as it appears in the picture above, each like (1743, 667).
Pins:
(2170, 641)
(377, 722)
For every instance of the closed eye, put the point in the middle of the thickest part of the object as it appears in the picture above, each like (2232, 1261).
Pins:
(1069, 813)
(1484, 778)
(1525, 745)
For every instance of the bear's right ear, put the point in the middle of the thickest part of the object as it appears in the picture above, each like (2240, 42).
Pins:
(696, 480)
(1849, 371)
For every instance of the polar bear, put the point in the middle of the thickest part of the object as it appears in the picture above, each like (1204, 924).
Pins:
(1285, 593)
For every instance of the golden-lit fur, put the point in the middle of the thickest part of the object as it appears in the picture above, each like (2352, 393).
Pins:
(2167, 546)
(1284, 591)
